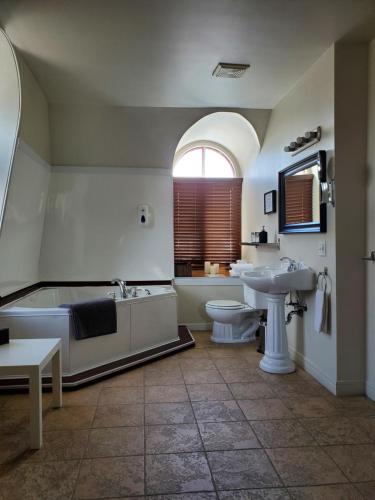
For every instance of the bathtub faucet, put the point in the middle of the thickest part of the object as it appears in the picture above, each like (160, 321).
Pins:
(122, 284)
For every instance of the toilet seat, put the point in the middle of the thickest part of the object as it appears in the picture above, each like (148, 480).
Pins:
(225, 304)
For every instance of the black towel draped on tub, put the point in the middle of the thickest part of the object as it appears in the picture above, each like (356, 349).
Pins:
(93, 318)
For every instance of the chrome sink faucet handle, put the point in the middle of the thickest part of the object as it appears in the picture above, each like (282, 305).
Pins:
(122, 285)
(292, 264)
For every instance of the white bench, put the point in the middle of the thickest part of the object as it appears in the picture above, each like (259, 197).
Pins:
(29, 357)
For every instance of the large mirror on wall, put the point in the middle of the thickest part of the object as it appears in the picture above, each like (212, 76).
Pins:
(300, 207)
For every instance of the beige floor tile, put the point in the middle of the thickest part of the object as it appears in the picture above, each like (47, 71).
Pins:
(166, 394)
(242, 469)
(169, 413)
(173, 438)
(40, 481)
(227, 436)
(330, 492)
(300, 389)
(119, 415)
(14, 421)
(237, 363)
(315, 406)
(366, 489)
(202, 377)
(61, 445)
(356, 461)
(223, 352)
(281, 433)
(131, 378)
(209, 392)
(341, 430)
(155, 377)
(251, 390)
(197, 364)
(184, 496)
(115, 441)
(110, 477)
(258, 494)
(121, 395)
(262, 409)
(177, 473)
(305, 466)
(71, 417)
(87, 396)
(194, 354)
(14, 447)
(231, 375)
(217, 411)
(22, 401)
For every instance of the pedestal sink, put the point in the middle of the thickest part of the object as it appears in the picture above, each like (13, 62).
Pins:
(276, 283)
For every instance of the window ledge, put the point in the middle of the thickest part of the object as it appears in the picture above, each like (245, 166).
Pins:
(225, 281)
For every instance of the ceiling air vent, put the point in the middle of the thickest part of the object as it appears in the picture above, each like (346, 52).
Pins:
(230, 70)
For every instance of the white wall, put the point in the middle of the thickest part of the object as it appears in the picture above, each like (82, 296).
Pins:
(370, 244)
(92, 231)
(10, 109)
(309, 104)
(22, 229)
(24, 208)
(34, 126)
(127, 137)
(192, 298)
(351, 85)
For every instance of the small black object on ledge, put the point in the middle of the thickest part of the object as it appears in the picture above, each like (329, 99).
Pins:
(4, 336)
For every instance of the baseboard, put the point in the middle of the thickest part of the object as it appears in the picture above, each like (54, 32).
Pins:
(313, 370)
(199, 326)
(370, 391)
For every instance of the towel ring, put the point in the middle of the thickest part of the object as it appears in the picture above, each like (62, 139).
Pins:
(323, 280)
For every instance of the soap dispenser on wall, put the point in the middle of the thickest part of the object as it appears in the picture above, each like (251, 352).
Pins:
(144, 215)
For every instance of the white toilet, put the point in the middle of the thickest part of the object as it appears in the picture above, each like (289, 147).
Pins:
(234, 322)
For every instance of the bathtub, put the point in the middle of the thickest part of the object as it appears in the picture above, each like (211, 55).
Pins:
(145, 324)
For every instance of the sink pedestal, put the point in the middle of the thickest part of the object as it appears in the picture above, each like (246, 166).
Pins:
(276, 357)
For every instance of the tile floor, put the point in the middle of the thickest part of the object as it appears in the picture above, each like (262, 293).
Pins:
(202, 424)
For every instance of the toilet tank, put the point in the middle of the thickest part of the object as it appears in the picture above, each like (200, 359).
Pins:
(254, 299)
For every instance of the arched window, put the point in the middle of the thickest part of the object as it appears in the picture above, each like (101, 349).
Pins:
(204, 161)
(207, 209)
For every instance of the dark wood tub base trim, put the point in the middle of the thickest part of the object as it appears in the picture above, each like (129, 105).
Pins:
(186, 340)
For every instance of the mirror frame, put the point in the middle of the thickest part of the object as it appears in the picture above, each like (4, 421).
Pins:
(319, 159)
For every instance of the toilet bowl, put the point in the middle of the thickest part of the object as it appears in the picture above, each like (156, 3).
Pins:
(233, 322)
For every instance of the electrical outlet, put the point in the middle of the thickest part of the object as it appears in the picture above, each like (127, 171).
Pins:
(322, 248)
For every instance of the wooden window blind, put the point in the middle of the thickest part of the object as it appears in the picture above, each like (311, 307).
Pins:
(298, 199)
(207, 220)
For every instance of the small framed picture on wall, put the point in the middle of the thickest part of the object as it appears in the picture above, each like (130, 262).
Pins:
(270, 202)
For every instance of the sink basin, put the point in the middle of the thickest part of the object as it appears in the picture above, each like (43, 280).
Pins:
(277, 280)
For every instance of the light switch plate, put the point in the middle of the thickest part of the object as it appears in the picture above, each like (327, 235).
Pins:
(322, 248)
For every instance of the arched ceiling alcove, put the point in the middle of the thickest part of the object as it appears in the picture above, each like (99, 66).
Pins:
(227, 129)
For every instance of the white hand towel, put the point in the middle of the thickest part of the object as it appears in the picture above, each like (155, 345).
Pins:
(320, 312)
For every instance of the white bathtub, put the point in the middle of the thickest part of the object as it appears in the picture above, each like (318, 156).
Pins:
(143, 323)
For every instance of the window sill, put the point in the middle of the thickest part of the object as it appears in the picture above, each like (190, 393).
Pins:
(219, 281)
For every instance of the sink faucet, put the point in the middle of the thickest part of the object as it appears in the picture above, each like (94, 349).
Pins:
(122, 284)
(292, 264)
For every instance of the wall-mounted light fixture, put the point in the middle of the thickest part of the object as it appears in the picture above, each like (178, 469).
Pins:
(301, 143)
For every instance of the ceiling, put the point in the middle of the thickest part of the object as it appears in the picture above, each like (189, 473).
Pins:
(162, 52)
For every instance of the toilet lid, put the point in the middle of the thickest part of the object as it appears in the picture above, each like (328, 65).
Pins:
(225, 304)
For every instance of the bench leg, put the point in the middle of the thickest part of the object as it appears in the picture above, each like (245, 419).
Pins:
(36, 437)
(56, 380)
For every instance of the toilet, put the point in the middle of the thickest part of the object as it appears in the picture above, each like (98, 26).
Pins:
(235, 322)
